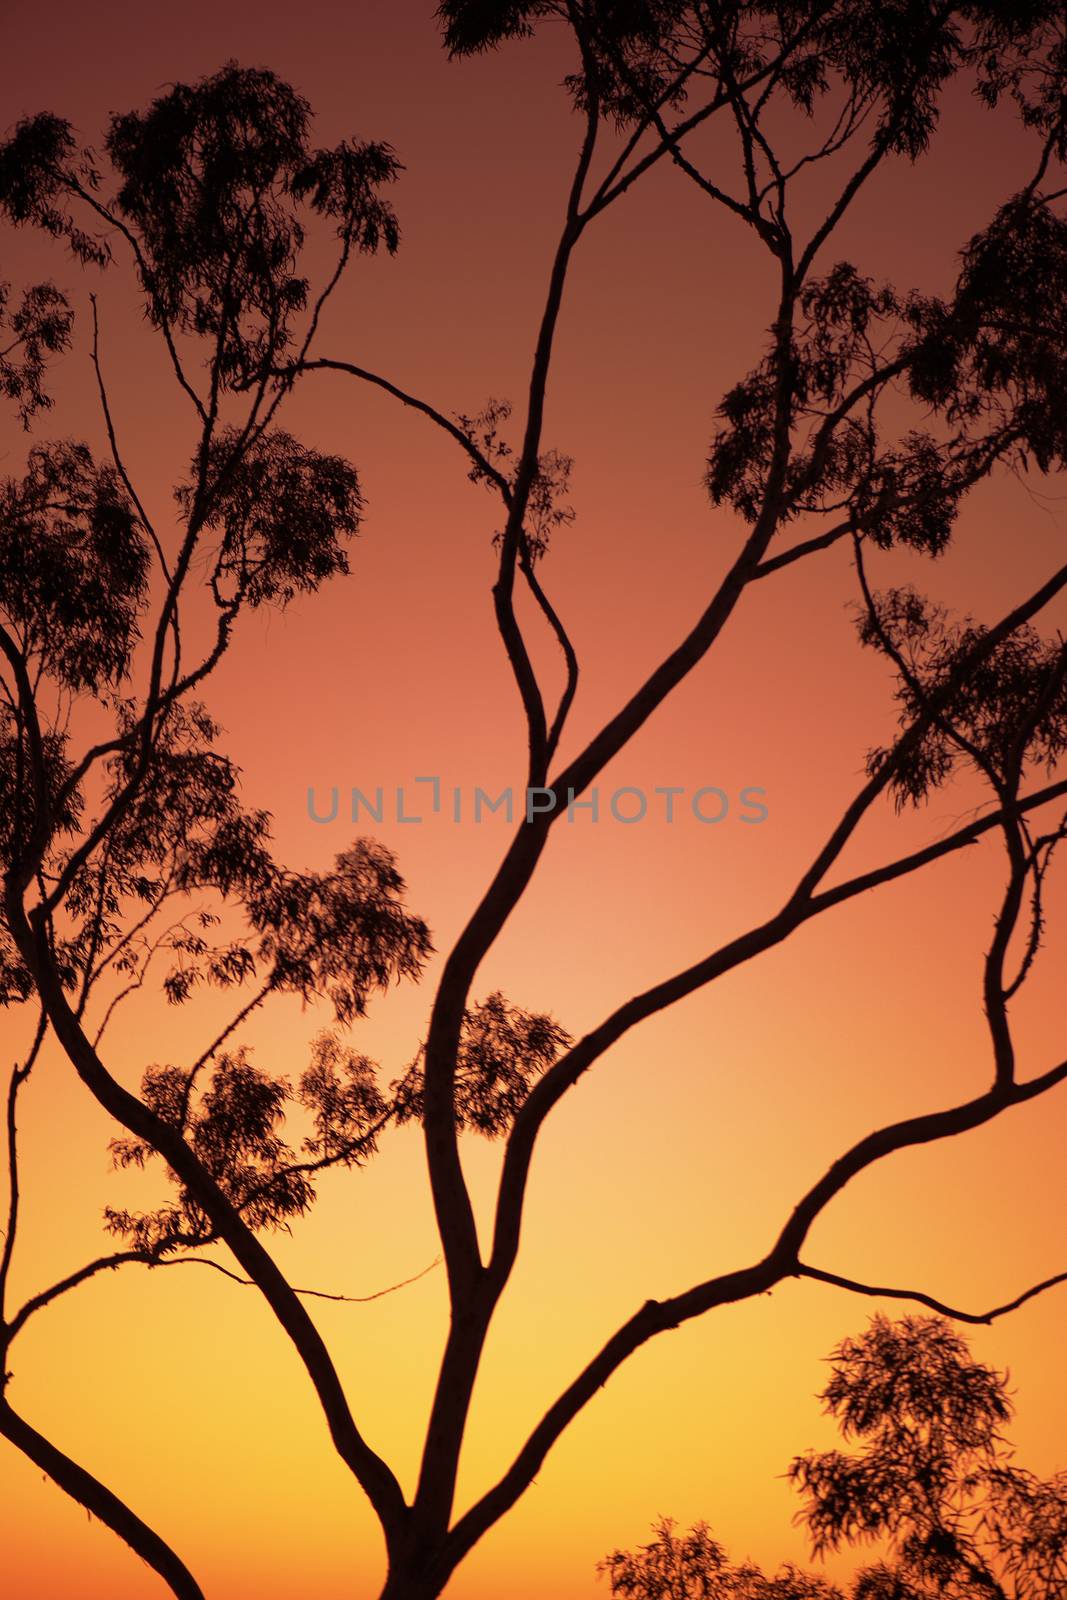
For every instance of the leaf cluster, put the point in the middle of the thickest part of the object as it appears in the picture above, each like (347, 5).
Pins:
(211, 184)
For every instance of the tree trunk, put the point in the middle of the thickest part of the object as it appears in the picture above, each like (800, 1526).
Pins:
(403, 1584)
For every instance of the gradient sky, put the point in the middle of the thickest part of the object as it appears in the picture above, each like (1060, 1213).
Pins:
(681, 1153)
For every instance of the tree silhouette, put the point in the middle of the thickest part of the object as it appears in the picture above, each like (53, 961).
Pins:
(933, 1476)
(934, 1480)
(868, 418)
(694, 1566)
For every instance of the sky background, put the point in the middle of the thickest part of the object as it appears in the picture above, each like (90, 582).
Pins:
(682, 1152)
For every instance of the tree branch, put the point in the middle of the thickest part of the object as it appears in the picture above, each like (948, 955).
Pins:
(454, 1213)
(120, 467)
(782, 1261)
(927, 1128)
(123, 1258)
(881, 1293)
(19, 1074)
(797, 910)
(100, 1502)
(375, 1477)
(481, 461)
(569, 656)
(317, 1294)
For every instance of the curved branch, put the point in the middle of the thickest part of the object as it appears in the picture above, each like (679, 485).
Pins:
(569, 655)
(485, 467)
(101, 1503)
(976, 1317)
(783, 1261)
(37, 1302)
(317, 1294)
(927, 1128)
(116, 456)
(654, 1317)
(19, 1074)
(980, 652)
(123, 1258)
(373, 1474)
(231, 1027)
(513, 543)
(454, 1213)
(566, 1072)
(146, 276)
(807, 547)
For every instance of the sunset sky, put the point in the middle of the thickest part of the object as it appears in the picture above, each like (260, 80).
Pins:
(684, 1149)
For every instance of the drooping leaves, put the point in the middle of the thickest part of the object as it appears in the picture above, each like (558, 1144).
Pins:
(340, 935)
(40, 167)
(474, 25)
(341, 1089)
(73, 566)
(695, 1566)
(214, 181)
(210, 176)
(234, 1129)
(37, 328)
(932, 1474)
(502, 1051)
(282, 512)
(1004, 713)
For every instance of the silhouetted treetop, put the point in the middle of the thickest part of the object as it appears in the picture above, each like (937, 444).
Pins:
(985, 367)
(933, 1479)
(889, 61)
(211, 182)
(695, 1566)
(73, 566)
(911, 1380)
(933, 1475)
(30, 332)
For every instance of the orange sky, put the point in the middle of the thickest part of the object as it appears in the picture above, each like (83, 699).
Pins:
(682, 1152)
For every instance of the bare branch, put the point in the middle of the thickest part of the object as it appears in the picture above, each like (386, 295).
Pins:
(976, 1317)
(116, 456)
(928, 1128)
(145, 274)
(797, 909)
(482, 462)
(807, 547)
(570, 657)
(100, 1502)
(19, 1074)
(658, 1316)
(318, 1294)
(122, 1258)
(376, 1478)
